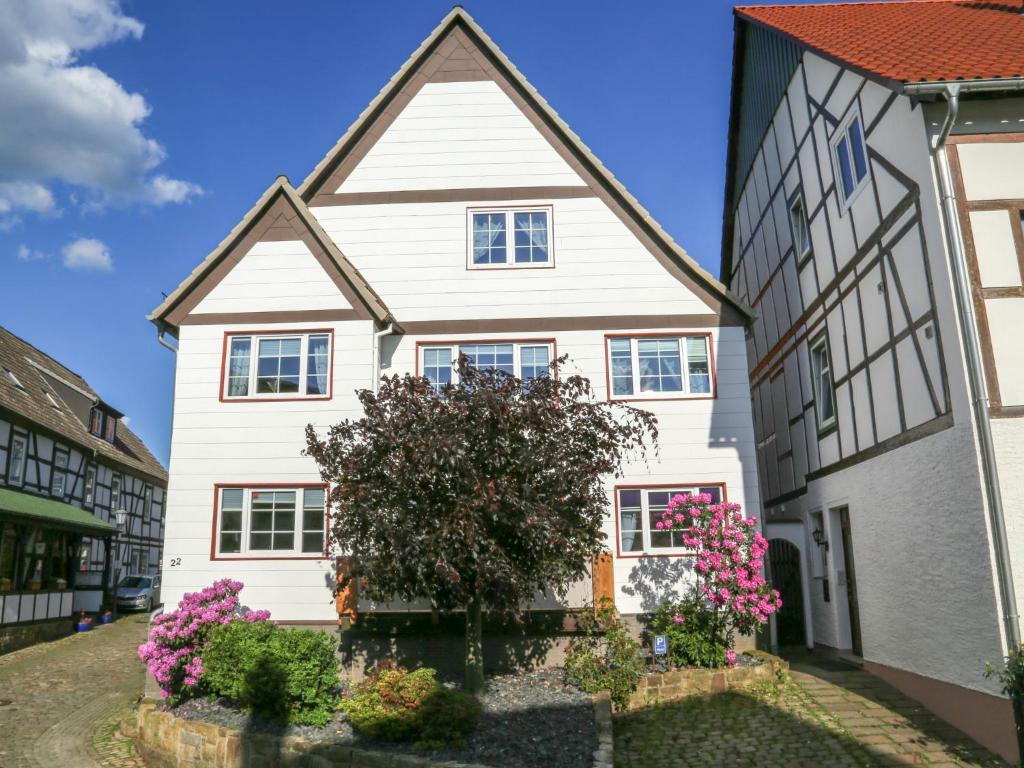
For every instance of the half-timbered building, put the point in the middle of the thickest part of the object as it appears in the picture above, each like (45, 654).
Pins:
(874, 196)
(458, 214)
(68, 463)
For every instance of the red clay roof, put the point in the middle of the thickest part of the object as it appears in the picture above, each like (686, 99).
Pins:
(909, 40)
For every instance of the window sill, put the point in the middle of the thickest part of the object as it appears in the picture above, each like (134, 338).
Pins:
(265, 399)
(491, 267)
(250, 556)
(643, 399)
(642, 555)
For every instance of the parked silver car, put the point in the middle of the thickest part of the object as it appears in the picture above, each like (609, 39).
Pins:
(138, 592)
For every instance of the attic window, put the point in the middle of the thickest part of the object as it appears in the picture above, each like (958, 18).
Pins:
(509, 238)
(109, 428)
(14, 379)
(96, 422)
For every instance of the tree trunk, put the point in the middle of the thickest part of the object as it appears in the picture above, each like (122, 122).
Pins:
(474, 647)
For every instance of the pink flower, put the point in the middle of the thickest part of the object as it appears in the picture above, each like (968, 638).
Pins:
(678, 619)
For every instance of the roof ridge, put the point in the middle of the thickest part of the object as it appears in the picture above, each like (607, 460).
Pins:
(842, 3)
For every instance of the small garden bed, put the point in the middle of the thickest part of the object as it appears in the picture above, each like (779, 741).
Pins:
(528, 720)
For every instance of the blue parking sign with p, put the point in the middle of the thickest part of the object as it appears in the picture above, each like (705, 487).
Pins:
(660, 645)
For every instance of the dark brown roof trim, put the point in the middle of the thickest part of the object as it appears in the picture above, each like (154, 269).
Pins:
(296, 316)
(466, 194)
(551, 324)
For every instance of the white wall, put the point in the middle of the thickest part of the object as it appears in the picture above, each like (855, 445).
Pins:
(249, 442)
(454, 135)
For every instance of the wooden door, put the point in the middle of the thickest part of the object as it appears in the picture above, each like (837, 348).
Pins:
(851, 581)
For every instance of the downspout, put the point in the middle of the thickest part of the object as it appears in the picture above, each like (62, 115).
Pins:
(975, 375)
(377, 337)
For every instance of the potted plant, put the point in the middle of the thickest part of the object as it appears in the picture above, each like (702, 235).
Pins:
(5, 584)
(106, 617)
(34, 585)
(84, 622)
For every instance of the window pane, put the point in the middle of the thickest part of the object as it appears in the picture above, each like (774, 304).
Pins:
(660, 365)
(238, 366)
(284, 540)
(715, 492)
(231, 520)
(437, 366)
(860, 160)
(531, 233)
(534, 362)
(845, 171)
(497, 357)
(698, 368)
(657, 503)
(277, 371)
(17, 465)
(489, 238)
(314, 498)
(259, 541)
(316, 365)
(312, 519)
(231, 498)
(230, 543)
(630, 531)
(312, 542)
(622, 366)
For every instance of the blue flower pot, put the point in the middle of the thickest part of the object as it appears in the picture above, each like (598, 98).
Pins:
(106, 618)
(83, 626)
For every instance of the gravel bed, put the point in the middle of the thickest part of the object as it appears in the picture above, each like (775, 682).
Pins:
(530, 720)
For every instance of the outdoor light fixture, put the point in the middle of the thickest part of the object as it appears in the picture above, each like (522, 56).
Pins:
(819, 537)
(121, 515)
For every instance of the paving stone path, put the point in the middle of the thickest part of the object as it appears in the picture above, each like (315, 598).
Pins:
(827, 715)
(66, 697)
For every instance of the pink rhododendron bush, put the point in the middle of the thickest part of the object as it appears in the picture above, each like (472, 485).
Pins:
(730, 593)
(176, 640)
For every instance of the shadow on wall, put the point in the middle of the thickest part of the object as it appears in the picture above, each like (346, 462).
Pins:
(655, 580)
(511, 643)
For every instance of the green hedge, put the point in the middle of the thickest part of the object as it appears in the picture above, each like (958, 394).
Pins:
(290, 675)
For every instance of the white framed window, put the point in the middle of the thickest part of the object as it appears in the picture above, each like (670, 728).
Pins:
(275, 366)
(824, 389)
(109, 428)
(511, 238)
(639, 510)
(59, 474)
(16, 459)
(849, 158)
(799, 227)
(147, 504)
(90, 485)
(659, 366)
(522, 359)
(271, 522)
(115, 493)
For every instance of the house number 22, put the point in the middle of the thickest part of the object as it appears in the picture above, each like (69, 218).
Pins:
(175, 561)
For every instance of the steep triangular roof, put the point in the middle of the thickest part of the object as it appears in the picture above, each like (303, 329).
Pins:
(446, 48)
(279, 202)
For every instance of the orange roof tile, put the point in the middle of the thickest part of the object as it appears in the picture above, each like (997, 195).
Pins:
(908, 40)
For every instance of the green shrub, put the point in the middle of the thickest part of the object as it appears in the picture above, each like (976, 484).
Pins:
(606, 658)
(689, 626)
(277, 673)
(393, 704)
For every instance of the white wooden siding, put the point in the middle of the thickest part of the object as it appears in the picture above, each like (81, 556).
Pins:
(414, 255)
(278, 276)
(453, 135)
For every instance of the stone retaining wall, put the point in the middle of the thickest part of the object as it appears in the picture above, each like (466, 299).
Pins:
(166, 741)
(667, 686)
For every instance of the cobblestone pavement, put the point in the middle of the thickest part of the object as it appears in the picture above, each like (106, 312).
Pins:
(825, 716)
(62, 693)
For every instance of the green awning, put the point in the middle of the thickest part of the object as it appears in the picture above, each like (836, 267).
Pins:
(56, 514)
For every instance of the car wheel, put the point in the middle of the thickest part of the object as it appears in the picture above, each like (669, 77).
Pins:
(149, 605)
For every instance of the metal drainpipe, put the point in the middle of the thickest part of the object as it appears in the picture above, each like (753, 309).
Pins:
(376, 354)
(975, 376)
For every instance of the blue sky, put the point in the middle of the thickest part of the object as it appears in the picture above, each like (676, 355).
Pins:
(145, 131)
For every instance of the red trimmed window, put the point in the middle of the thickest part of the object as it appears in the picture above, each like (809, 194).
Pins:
(658, 367)
(277, 365)
(286, 521)
(638, 509)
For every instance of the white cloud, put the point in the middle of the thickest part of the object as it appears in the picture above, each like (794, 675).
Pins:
(87, 253)
(27, 254)
(70, 122)
(19, 196)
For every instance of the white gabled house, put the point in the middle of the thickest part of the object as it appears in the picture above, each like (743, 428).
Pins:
(459, 213)
(876, 156)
